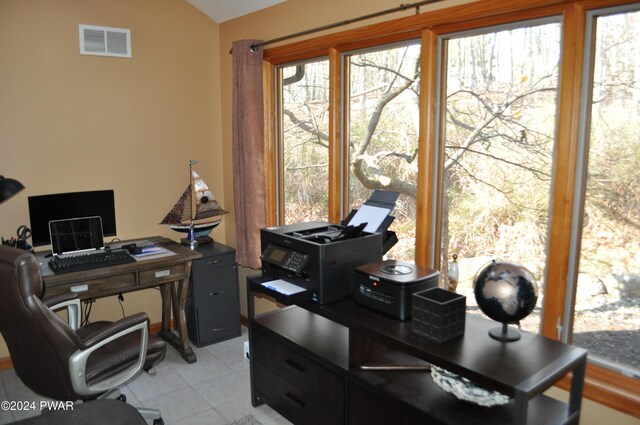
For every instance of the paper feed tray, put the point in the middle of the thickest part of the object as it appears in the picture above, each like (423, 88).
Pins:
(281, 290)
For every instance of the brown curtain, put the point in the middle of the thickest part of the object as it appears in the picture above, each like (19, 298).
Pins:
(249, 192)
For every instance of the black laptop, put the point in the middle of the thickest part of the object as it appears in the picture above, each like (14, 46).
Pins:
(76, 235)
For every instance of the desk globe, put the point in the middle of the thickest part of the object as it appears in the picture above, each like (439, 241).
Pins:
(507, 293)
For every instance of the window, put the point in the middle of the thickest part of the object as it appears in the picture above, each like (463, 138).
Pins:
(499, 136)
(482, 123)
(383, 134)
(606, 315)
(304, 141)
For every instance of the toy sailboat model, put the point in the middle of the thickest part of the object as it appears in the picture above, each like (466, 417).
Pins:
(198, 221)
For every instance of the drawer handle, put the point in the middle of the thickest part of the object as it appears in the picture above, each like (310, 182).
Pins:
(218, 329)
(293, 400)
(215, 262)
(80, 288)
(293, 366)
(216, 293)
(162, 273)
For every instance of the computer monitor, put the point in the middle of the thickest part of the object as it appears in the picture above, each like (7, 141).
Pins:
(60, 206)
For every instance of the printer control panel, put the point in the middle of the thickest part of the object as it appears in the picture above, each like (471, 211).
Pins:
(286, 258)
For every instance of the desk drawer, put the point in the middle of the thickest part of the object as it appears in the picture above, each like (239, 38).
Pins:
(290, 401)
(95, 287)
(162, 275)
(301, 371)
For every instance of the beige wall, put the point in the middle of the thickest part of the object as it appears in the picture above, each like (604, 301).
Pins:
(70, 122)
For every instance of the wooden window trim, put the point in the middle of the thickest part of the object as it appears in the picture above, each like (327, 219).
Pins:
(270, 115)
(428, 159)
(336, 150)
(611, 389)
(602, 385)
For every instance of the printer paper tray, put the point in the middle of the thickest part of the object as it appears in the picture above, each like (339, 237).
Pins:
(255, 285)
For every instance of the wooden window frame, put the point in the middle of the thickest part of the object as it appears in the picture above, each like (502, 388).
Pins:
(601, 385)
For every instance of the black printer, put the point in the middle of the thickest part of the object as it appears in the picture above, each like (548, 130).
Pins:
(321, 257)
(388, 286)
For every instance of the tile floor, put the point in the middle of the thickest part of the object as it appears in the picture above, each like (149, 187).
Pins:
(212, 391)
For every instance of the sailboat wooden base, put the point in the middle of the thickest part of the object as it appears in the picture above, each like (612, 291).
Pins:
(202, 240)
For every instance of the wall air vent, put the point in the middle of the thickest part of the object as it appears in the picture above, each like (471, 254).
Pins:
(105, 41)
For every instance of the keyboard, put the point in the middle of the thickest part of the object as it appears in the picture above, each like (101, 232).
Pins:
(89, 260)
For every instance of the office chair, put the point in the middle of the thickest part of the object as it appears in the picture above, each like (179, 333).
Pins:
(64, 361)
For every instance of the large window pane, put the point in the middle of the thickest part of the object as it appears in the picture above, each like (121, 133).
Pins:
(304, 141)
(499, 134)
(383, 134)
(607, 306)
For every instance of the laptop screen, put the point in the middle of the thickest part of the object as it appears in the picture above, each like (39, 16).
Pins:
(76, 234)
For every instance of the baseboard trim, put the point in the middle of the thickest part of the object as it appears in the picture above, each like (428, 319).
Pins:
(6, 363)
(154, 328)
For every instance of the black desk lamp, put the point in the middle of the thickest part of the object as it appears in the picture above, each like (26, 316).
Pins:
(8, 188)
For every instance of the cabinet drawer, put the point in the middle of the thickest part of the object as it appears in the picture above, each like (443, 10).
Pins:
(301, 371)
(208, 264)
(215, 288)
(290, 401)
(216, 323)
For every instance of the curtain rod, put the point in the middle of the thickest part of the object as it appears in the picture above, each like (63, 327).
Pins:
(400, 8)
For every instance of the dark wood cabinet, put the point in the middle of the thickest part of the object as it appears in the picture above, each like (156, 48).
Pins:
(303, 386)
(306, 359)
(366, 408)
(292, 401)
(213, 304)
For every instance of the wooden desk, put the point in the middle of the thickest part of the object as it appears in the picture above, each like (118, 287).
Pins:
(170, 273)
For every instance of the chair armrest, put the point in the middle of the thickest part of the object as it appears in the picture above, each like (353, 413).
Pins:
(113, 329)
(56, 299)
(69, 301)
(78, 360)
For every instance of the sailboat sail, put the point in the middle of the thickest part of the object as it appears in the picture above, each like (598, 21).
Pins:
(206, 204)
(181, 211)
(180, 216)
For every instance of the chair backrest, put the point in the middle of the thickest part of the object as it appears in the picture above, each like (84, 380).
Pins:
(39, 342)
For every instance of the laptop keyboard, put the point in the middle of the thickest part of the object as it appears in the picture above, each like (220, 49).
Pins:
(89, 260)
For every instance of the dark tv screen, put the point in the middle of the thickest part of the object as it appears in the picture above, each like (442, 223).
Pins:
(60, 206)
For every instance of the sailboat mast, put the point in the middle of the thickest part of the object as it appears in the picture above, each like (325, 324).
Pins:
(192, 198)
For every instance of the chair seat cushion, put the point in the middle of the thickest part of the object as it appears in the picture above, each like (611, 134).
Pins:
(120, 354)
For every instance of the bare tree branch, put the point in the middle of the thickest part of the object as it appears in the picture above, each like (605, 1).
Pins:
(367, 171)
(307, 167)
(501, 190)
(314, 130)
(494, 114)
(366, 167)
(539, 174)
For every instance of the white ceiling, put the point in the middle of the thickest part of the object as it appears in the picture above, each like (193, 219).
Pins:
(224, 10)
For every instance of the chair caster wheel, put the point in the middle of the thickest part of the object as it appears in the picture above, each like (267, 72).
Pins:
(122, 397)
(158, 421)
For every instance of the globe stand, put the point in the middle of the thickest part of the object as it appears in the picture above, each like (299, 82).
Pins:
(504, 334)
